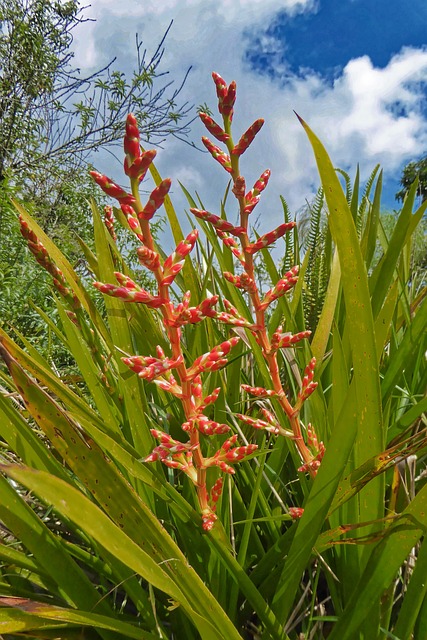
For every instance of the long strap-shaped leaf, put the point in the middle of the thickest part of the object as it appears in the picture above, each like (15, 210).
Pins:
(363, 410)
(121, 503)
(384, 563)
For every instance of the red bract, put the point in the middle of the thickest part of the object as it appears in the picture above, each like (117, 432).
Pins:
(247, 138)
(270, 237)
(156, 199)
(148, 258)
(218, 155)
(109, 221)
(284, 285)
(130, 294)
(217, 222)
(138, 167)
(111, 188)
(214, 128)
(131, 139)
(281, 340)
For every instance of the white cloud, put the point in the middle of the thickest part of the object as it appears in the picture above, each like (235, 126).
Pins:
(367, 115)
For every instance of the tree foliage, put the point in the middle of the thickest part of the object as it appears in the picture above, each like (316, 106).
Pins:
(51, 113)
(413, 170)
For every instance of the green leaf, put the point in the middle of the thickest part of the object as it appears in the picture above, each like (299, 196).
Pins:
(386, 558)
(20, 615)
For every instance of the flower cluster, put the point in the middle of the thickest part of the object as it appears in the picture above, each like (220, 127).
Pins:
(172, 372)
(237, 239)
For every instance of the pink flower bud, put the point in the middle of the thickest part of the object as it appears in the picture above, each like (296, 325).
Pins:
(259, 392)
(295, 512)
(247, 138)
(213, 360)
(239, 187)
(252, 197)
(210, 427)
(284, 340)
(214, 128)
(125, 281)
(217, 154)
(130, 295)
(226, 108)
(239, 453)
(270, 237)
(139, 167)
(156, 199)
(210, 399)
(308, 386)
(256, 423)
(217, 222)
(111, 188)
(231, 244)
(149, 368)
(216, 492)
(221, 86)
(182, 250)
(131, 139)
(148, 258)
(283, 286)
(243, 281)
(208, 520)
(109, 221)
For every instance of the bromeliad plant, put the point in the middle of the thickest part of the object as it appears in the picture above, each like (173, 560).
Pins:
(178, 486)
(188, 383)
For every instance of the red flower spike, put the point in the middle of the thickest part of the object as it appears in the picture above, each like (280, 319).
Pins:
(259, 392)
(259, 185)
(239, 187)
(239, 453)
(208, 520)
(156, 199)
(130, 295)
(227, 105)
(182, 250)
(216, 492)
(111, 188)
(132, 220)
(231, 244)
(149, 368)
(213, 360)
(247, 138)
(214, 128)
(210, 399)
(149, 259)
(243, 281)
(131, 139)
(109, 221)
(295, 512)
(308, 386)
(197, 388)
(256, 423)
(139, 167)
(125, 281)
(229, 443)
(210, 427)
(221, 87)
(184, 315)
(283, 286)
(268, 239)
(284, 340)
(217, 154)
(217, 222)
(170, 387)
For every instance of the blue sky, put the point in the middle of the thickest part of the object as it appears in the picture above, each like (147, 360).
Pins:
(355, 70)
(326, 38)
